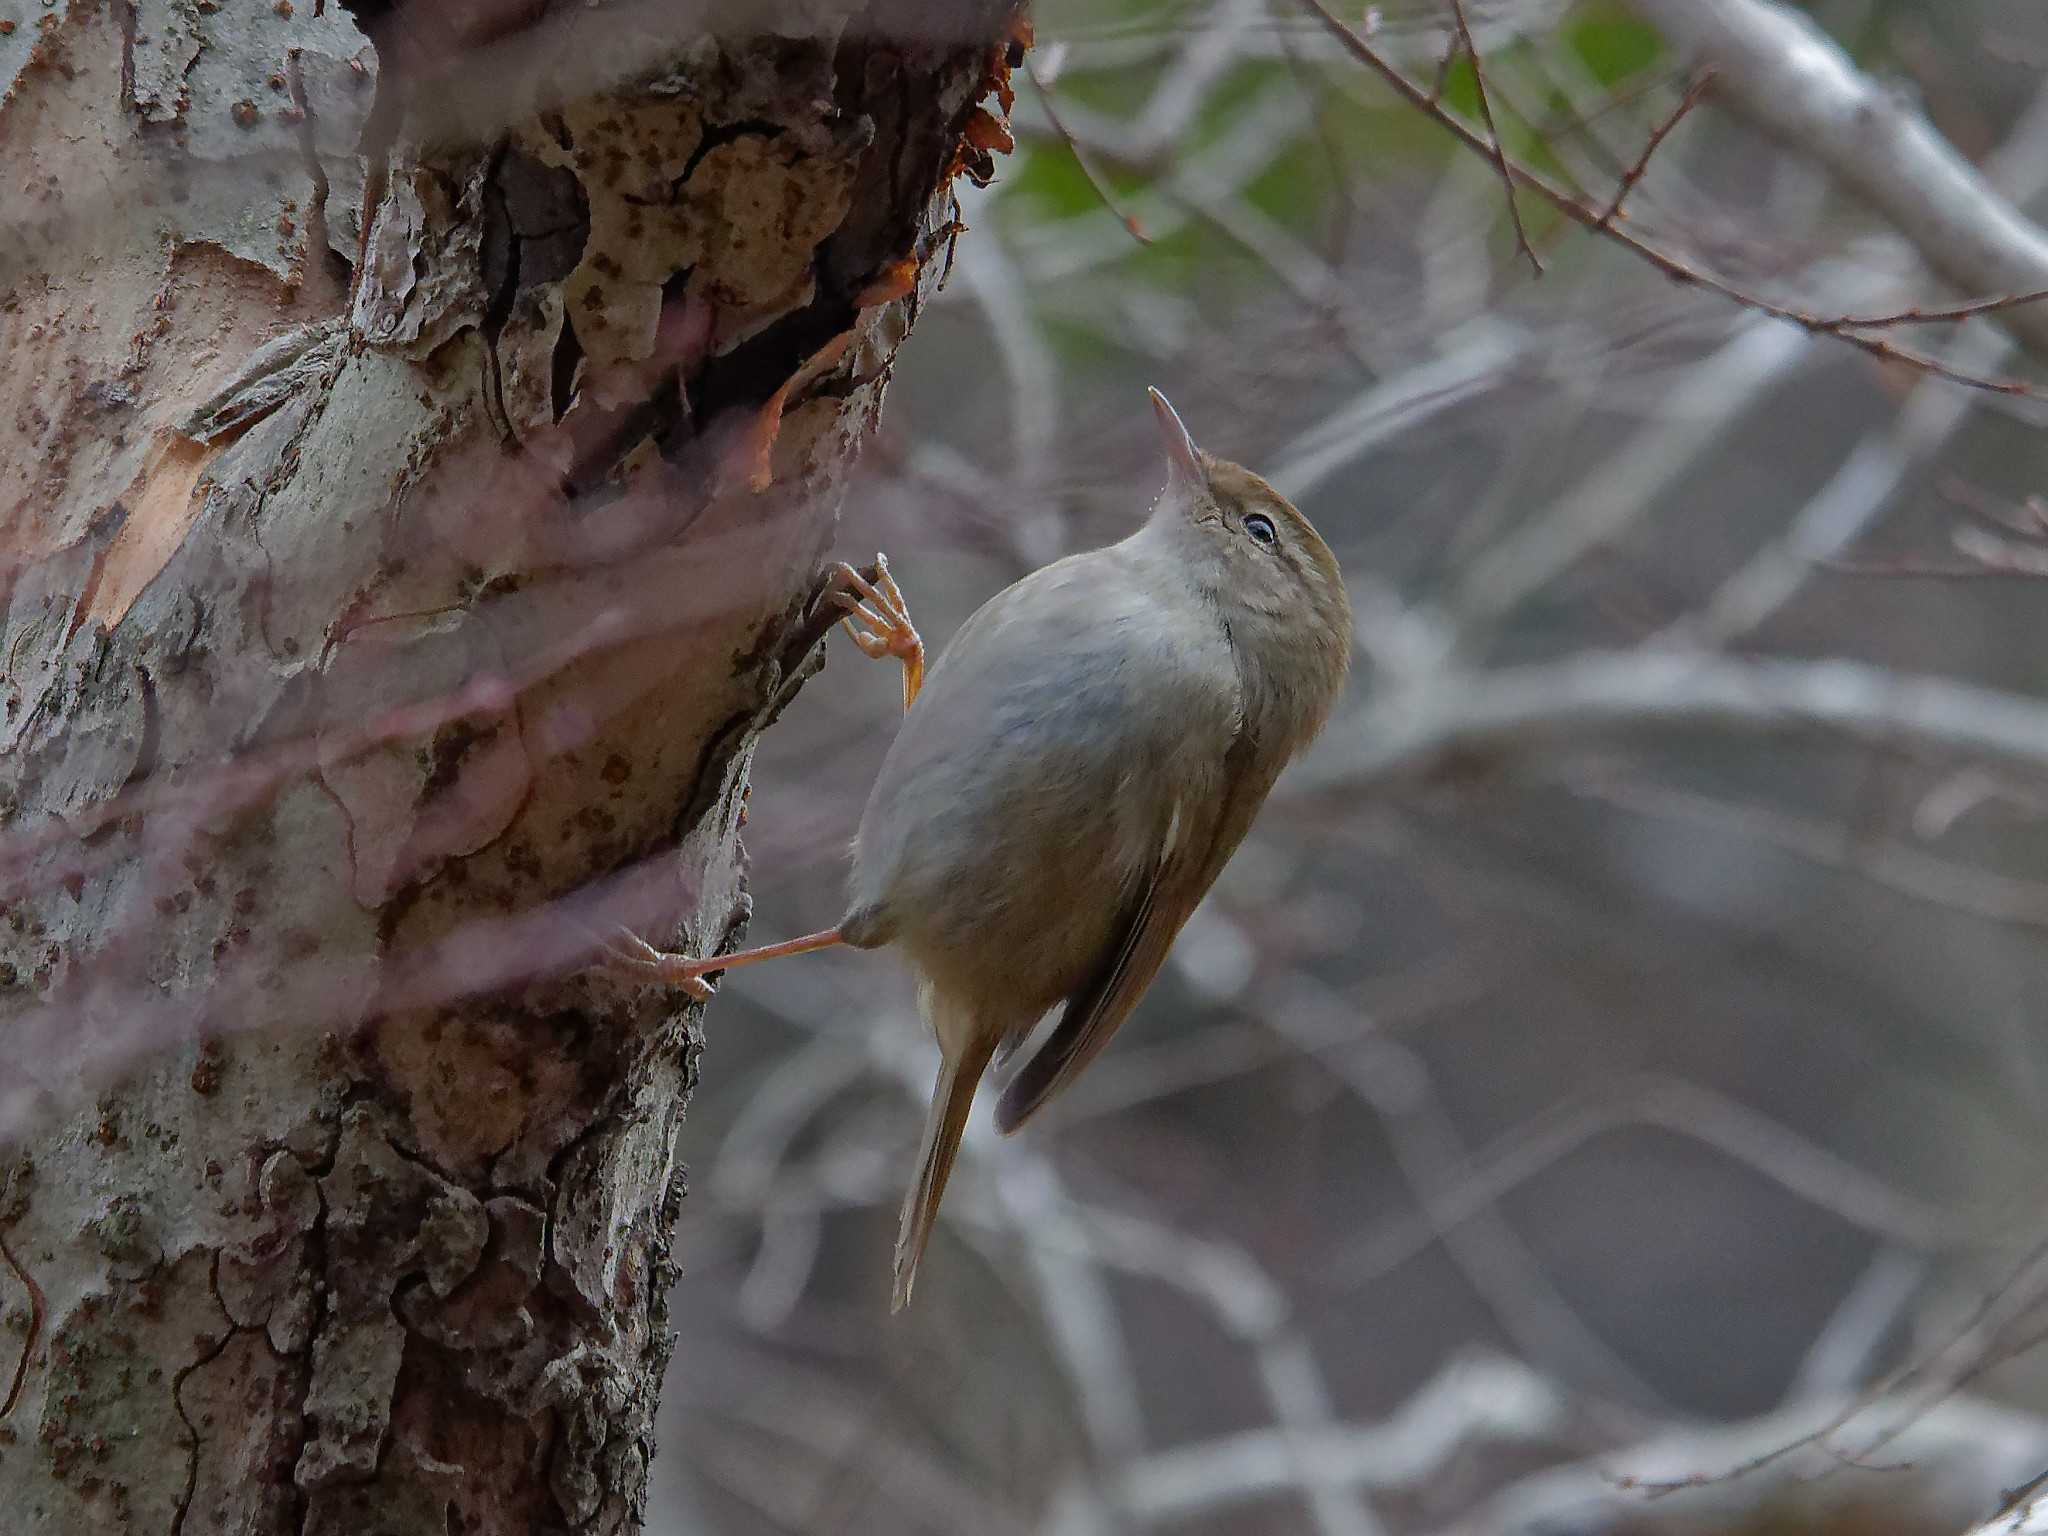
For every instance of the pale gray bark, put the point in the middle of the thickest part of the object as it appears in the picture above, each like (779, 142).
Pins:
(384, 610)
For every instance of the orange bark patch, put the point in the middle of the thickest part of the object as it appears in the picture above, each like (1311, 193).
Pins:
(985, 131)
(756, 450)
(1009, 53)
(162, 505)
(892, 282)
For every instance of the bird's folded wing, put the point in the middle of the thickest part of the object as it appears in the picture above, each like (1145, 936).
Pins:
(1146, 929)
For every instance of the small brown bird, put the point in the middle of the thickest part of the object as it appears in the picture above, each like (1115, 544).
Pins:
(1086, 755)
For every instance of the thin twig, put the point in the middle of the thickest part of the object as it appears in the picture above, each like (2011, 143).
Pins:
(1938, 316)
(1835, 518)
(1797, 85)
(1444, 66)
(1083, 159)
(1655, 1101)
(1500, 154)
(2028, 519)
(1556, 128)
(1673, 267)
(1983, 1323)
(2013, 1498)
(2003, 555)
(1658, 135)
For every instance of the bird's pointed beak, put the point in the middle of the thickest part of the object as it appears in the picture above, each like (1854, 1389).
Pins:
(1183, 458)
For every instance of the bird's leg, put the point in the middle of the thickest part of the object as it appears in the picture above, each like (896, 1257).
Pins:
(878, 619)
(627, 951)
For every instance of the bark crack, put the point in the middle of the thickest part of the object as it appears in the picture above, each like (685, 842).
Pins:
(126, 10)
(37, 1309)
(309, 150)
(178, 1395)
(316, 1265)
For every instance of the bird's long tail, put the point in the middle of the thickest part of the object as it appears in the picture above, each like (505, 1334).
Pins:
(952, 1097)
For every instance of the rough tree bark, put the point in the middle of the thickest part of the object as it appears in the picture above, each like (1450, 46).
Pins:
(420, 443)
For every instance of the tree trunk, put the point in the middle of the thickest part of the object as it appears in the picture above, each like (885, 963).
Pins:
(422, 433)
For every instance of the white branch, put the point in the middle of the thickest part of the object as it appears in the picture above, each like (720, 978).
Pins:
(1598, 694)
(1789, 79)
(1250, 1306)
(1838, 514)
(1629, 483)
(1469, 362)
(1954, 1457)
(1864, 484)
(2028, 1517)
(1471, 1401)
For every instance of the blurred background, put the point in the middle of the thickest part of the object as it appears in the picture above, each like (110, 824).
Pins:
(1614, 1059)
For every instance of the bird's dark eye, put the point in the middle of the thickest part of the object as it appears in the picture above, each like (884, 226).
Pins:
(1260, 528)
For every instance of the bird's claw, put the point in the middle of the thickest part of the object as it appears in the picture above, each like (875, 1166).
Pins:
(878, 620)
(625, 951)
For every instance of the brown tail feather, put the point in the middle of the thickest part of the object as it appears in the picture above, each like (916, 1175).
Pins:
(952, 1097)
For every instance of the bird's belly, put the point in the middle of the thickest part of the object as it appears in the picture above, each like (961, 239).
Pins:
(1031, 791)
(1021, 927)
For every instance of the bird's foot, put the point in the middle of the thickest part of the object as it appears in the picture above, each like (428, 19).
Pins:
(878, 619)
(629, 954)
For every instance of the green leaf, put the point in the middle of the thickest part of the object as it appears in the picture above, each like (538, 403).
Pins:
(1614, 44)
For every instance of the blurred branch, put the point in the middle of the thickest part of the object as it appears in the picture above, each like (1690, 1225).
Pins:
(1205, 49)
(1961, 793)
(1896, 866)
(1207, 56)
(1469, 362)
(1140, 1074)
(1958, 1451)
(1656, 1101)
(1033, 396)
(1658, 135)
(1841, 1357)
(1710, 399)
(1500, 158)
(1787, 77)
(1319, 286)
(1394, 1083)
(1860, 489)
(1913, 1391)
(1839, 512)
(1059, 1244)
(2022, 1512)
(1473, 721)
(1082, 157)
(821, 1443)
(1249, 1305)
(1678, 268)
(1257, 135)
(1991, 555)
(1629, 483)
(1469, 1402)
